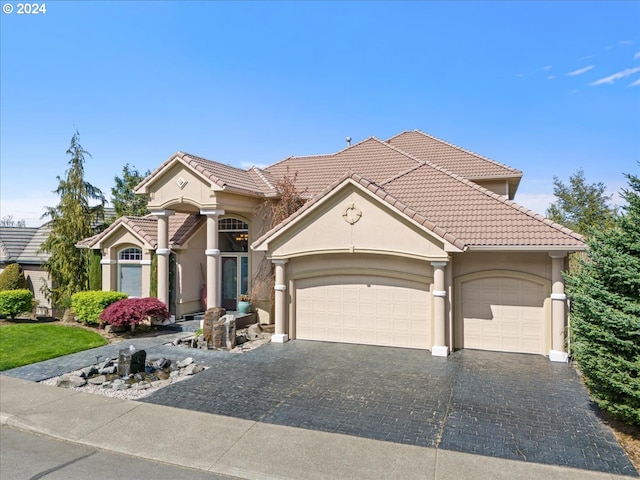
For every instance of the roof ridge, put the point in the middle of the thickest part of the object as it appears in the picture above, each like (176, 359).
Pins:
(260, 173)
(470, 152)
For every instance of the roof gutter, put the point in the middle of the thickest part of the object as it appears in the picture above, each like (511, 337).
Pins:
(527, 248)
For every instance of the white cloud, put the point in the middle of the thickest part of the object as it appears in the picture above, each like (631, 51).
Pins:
(636, 56)
(248, 165)
(634, 84)
(625, 42)
(616, 76)
(551, 77)
(580, 71)
(547, 68)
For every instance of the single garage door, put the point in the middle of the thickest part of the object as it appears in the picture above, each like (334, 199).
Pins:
(503, 314)
(364, 309)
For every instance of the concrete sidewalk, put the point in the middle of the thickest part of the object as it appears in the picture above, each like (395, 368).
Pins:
(242, 448)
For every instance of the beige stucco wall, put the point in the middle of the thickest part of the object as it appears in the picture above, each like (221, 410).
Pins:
(377, 230)
(165, 192)
(496, 186)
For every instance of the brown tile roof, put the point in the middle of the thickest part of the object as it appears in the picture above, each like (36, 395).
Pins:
(454, 208)
(181, 227)
(372, 158)
(451, 157)
(224, 176)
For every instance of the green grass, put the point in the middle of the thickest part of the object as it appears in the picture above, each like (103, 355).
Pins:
(23, 344)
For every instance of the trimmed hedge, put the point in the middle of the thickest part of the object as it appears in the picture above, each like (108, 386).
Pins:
(14, 302)
(88, 306)
(132, 311)
(12, 278)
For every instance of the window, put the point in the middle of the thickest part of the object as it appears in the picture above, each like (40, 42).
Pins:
(233, 235)
(130, 254)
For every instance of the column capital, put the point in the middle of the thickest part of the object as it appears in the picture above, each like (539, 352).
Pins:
(558, 254)
(211, 212)
(163, 251)
(558, 296)
(106, 261)
(212, 252)
(439, 293)
(282, 261)
(163, 213)
(439, 264)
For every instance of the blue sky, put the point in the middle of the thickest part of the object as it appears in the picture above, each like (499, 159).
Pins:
(545, 87)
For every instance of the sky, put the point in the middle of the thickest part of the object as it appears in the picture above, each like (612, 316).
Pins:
(544, 87)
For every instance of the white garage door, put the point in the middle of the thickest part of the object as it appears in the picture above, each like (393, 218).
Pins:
(503, 314)
(370, 310)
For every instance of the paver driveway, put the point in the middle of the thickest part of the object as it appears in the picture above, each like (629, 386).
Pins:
(513, 406)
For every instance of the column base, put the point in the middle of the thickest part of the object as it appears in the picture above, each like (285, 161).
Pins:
(437, 351)
(279, 338)
(557, 356)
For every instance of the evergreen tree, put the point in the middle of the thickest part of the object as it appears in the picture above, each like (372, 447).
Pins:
(71, 221)
(124, 200)
(581, 205)
(605, 312)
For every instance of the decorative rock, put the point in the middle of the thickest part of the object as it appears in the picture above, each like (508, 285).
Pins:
(160, 383)
(141, 386)
(120, 385)
(174, 374)
(192, 369)
(108, 370)
(107, 385)
(70, 381)
(211, 326)
(87, 372)
(137, 361)
(185, 362)
(99, 380)
(161, 363)
(254, 331)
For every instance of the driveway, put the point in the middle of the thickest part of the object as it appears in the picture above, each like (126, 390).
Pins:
(513, 406)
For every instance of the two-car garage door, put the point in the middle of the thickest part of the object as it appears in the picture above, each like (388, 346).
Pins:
(366, 309)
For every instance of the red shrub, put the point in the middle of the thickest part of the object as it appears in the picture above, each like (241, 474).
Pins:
(132, 311)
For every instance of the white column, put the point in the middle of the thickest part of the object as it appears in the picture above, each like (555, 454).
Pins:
(213, 256)
(280, 308)
(439, 349)
(163, 251)
(558, 304)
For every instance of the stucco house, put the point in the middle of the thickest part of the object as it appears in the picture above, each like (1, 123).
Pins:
(410, 242)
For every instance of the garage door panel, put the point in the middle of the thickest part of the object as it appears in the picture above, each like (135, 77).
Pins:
(503, 314)
(365, 309)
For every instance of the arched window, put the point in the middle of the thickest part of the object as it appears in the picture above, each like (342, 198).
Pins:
(130, 271)
(130, 254)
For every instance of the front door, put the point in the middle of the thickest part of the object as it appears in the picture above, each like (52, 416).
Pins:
(235, 279)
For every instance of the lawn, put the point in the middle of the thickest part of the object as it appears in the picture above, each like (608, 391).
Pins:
(23, 344)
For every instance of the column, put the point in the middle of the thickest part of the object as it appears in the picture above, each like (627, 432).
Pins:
(213, 257)
(281, 289)
(558, 303)
(163, 251)
(439, 349)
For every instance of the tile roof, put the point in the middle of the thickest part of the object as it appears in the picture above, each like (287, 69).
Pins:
(451, 206)
(21, 244)
(251, 181)
(451, 157)
(372, 158)
(181, 227)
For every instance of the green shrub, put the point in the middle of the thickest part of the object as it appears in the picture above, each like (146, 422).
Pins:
(12, 278)
(14, 302)
(89, 305)
(95, 270)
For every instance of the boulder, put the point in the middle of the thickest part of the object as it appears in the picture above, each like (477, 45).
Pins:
(99, 380)
(71, 381)
(185, 362)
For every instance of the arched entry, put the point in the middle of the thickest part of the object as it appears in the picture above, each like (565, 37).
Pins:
(233, 242)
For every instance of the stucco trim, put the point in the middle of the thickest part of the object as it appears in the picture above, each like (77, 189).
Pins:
(501, 273)
(361, 251)
(377, 272)
(526, 248)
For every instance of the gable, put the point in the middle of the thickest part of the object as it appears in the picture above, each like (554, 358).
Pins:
(351, 220)
(179, 183)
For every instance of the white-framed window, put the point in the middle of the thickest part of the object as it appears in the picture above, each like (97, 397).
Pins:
(130, 271)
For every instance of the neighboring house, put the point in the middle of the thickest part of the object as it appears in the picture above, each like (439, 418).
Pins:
(21, 245)
(410, 242)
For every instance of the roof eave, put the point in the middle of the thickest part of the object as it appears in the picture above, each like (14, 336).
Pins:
(527, 248)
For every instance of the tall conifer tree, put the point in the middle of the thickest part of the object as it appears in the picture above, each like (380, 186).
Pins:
(71, 220)
(605, 311)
